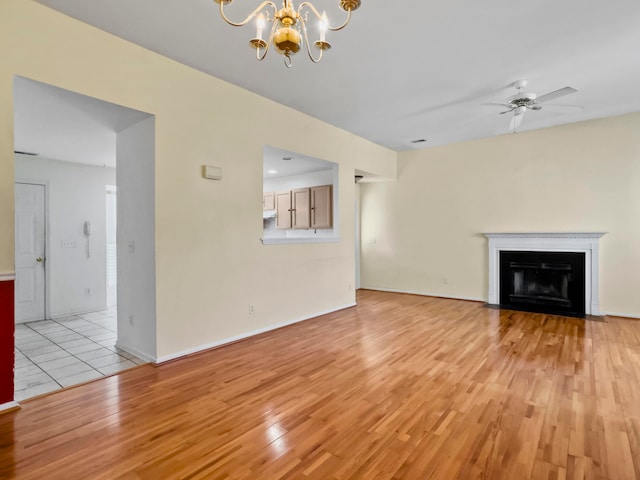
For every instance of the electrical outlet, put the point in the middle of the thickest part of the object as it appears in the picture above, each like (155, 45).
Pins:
(445, 281)
(350, 287)
(251, 309)
(130, 319)
(87, 291)
(132, 246)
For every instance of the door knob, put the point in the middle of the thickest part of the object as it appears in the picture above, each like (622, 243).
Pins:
(39, 259)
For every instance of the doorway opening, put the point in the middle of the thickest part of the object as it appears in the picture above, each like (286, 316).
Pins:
(71, 153)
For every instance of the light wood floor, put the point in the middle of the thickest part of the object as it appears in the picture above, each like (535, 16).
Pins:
(400, 387)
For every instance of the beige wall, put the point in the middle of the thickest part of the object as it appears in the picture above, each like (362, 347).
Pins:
(209, 258)
(428, 225)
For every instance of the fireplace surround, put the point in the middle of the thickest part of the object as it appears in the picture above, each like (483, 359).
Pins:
(586, 243)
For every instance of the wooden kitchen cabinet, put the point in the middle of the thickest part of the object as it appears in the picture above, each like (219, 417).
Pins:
(321, 206)
(268, 201)
(305, 208)
(300, 209)
(283, 210)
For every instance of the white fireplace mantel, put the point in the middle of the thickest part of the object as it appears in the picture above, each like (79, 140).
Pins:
(587, 242)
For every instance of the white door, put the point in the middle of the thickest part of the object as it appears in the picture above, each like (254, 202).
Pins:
(30, 249)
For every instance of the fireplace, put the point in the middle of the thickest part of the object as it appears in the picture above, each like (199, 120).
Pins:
(586, 244)
(547, 282)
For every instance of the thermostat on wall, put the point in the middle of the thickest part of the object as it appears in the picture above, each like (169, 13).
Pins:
(212, 172)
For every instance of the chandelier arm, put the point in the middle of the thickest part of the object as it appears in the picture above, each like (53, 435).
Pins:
(251, 15)
(269, 42)
(317, 14)
(306, 41)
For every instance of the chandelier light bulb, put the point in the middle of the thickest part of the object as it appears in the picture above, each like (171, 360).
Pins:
(323, 27)
(260, 22)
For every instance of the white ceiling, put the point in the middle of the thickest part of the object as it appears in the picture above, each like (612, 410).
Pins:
(412, 69)
(273, 160)
(61, 125)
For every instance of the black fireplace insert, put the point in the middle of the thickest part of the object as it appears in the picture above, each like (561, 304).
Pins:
(545, 282)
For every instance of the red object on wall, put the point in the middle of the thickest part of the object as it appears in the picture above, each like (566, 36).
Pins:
(7, 330)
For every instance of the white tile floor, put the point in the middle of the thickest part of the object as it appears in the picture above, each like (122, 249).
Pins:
(52, 354)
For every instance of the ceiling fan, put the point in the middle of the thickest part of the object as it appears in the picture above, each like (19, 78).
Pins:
(521, 102)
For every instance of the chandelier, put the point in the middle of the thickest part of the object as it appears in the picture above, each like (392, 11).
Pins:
(289, 26)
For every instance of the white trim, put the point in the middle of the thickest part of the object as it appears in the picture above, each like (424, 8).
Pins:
(289, 241)
(7, 277)
(561, 235)
(623, 315)
(134, 351)
(71, 313)
(586, 242)
(9, 406)
(357, 232)
(425, 294)
(242, 336)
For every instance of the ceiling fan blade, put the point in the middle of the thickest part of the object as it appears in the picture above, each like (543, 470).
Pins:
(515, 122)
(556, 94)
(577, 107)
(507, 111)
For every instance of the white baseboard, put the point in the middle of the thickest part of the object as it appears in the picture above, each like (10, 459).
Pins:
(7, 277)
(426, 294)
(623, 315)
(219, 343)
(134, 351)
(9, 406)
(55, 316)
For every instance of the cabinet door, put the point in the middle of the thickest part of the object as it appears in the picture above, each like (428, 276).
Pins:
(269, 201)
(321, 207)
(283, 210)
(301, 208)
